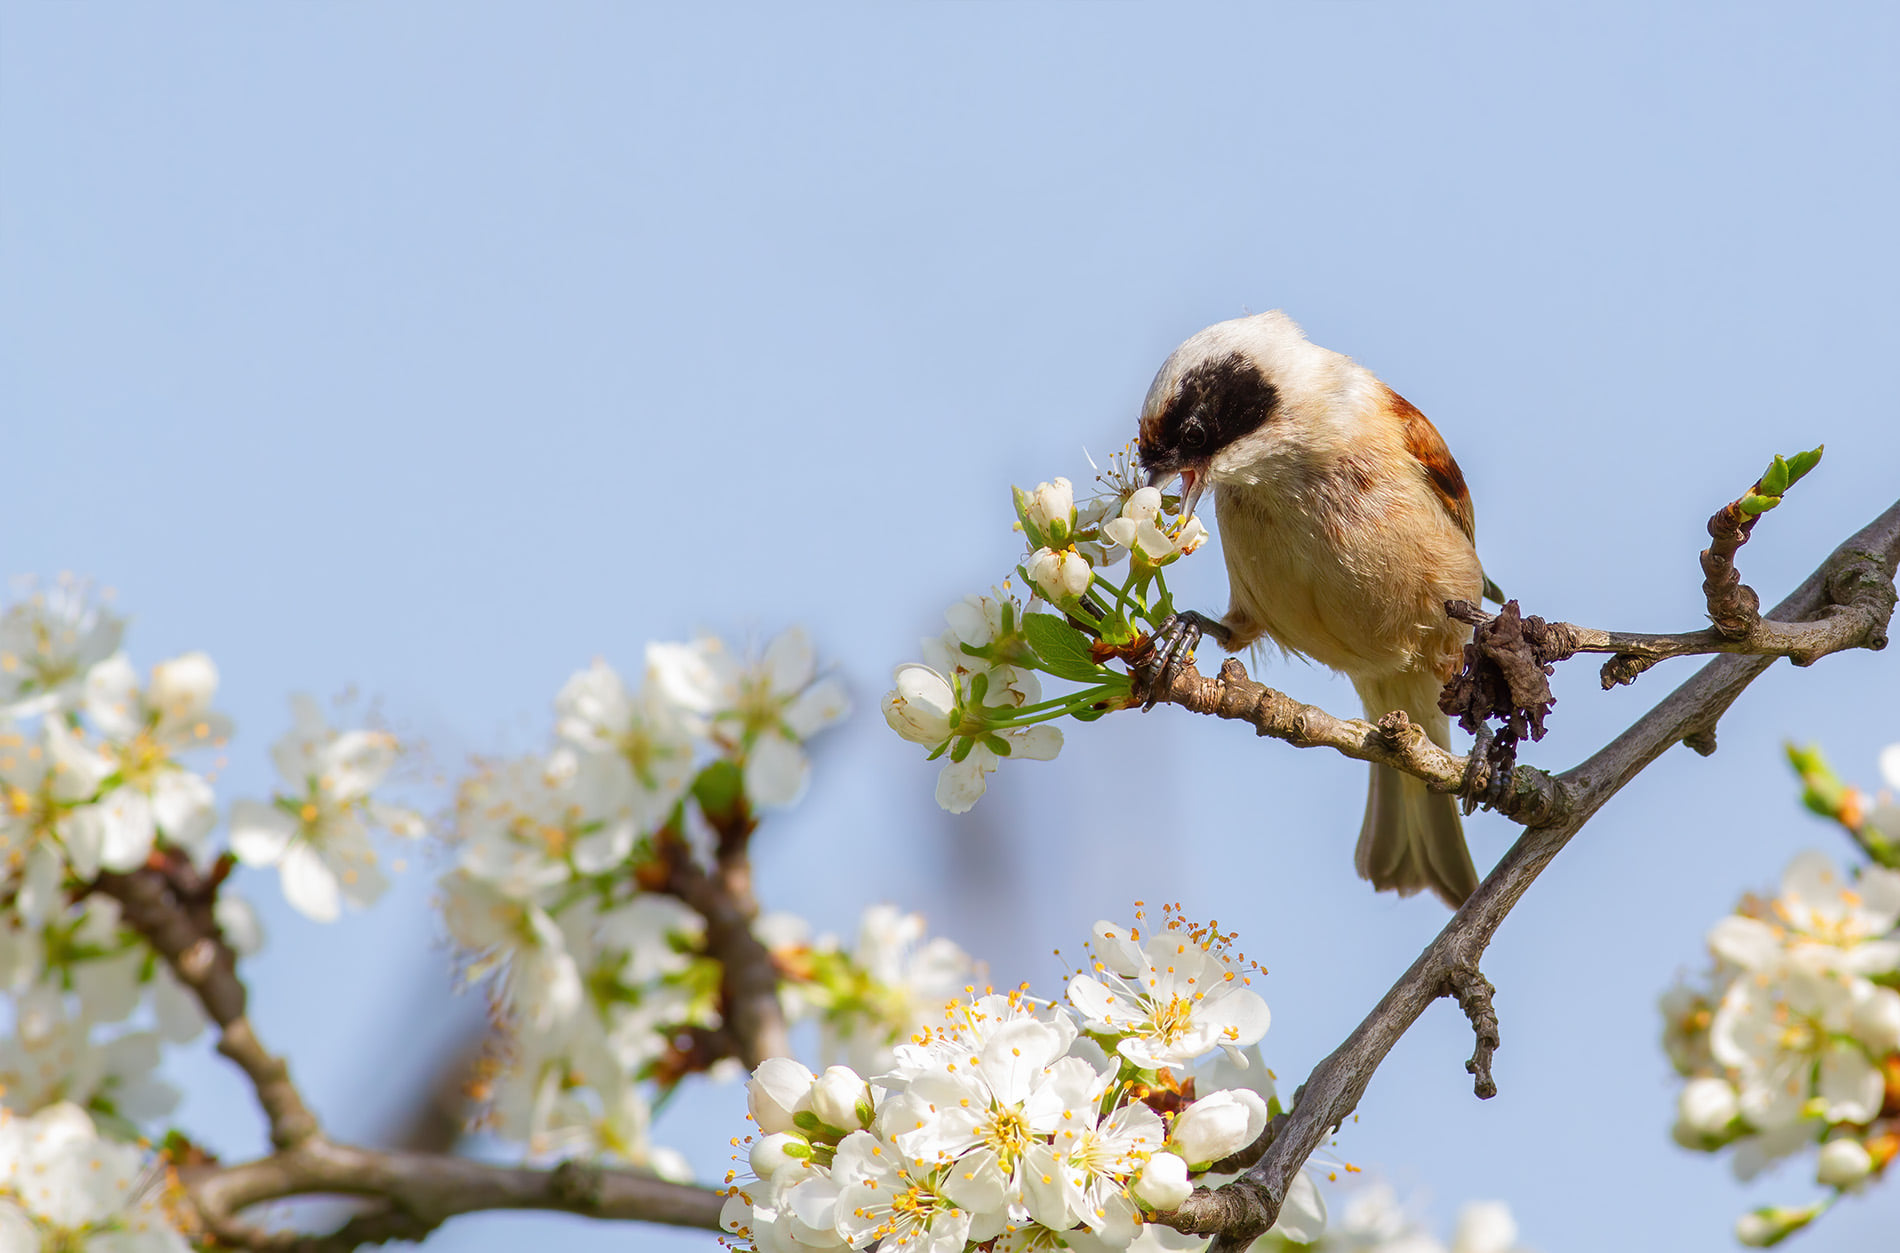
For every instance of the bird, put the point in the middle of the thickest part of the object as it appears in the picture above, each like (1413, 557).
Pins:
(1346, 527)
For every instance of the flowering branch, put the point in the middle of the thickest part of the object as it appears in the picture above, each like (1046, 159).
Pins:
(1856, 581)
(169, 903)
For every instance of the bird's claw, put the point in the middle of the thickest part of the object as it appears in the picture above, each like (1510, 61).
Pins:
(1175, 640)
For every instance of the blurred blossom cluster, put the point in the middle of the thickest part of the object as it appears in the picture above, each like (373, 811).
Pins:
(64, 1189)
(105, 774)
(975, 698)
(1791, 1043)
(574, 869)
(1017, 1124)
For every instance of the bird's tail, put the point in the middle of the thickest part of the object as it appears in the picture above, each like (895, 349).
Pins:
(1412, 837)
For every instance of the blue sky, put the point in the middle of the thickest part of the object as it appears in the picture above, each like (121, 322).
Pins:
(436, 349)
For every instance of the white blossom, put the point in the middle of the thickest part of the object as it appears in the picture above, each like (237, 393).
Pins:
(960, 784)
(1061, 574)
(49, 642)
(763, 712)
(316, 832)
(142, 733)
(1170, 999)
(1139, 529)
(649, 735)
(920, 706)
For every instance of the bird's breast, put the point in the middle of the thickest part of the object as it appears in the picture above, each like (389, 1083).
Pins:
(1347, 568)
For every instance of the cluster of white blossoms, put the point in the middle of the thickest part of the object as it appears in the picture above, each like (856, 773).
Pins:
(1792, 1043)
(976, 698)
(63, 1189)
(1020, 1124)
(100, 775)
(567, 895)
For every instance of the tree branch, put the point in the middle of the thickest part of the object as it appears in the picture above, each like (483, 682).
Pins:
(1531, 797)
(170, 904)
(752, 1020)
(1854, 585)
(414, 1193)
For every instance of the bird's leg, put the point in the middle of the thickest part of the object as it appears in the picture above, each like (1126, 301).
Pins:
(1174, 640)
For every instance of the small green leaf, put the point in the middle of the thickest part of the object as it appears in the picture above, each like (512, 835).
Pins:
(720, 789)
(1802, 462)
(1063, 650)
(961, 749)
(996, 744)
(1775, 479)
(1754, 505)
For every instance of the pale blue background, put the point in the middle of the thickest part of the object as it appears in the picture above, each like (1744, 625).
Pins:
(439, 348)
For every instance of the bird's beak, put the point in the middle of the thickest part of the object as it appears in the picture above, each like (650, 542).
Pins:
(1193, 483)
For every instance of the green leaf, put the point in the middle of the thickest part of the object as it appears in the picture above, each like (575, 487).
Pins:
(720, 789)
(1802, 462)
(1774, 480)
(1063, 650)
(1753, 505)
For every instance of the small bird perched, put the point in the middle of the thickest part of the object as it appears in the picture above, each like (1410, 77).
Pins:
(1346, 526)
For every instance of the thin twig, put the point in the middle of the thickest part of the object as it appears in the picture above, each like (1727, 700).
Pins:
(1855, 584)
(1473, 992)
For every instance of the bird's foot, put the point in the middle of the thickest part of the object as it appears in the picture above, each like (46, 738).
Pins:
(1174, 642)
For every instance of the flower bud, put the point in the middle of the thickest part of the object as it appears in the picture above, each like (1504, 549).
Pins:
(922, 707)
(1059, 573)
(1052, 511)
(1843, 1163)
(779, 1089)
(1771, 1224)
(780, 1157)
(1163, 1184)
(183, 687)
(1218, 1124)
(1705, 1109)
(1876, 1021)
(842, 1099)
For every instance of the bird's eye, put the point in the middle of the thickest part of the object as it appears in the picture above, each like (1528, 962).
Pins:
(1193, 436)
